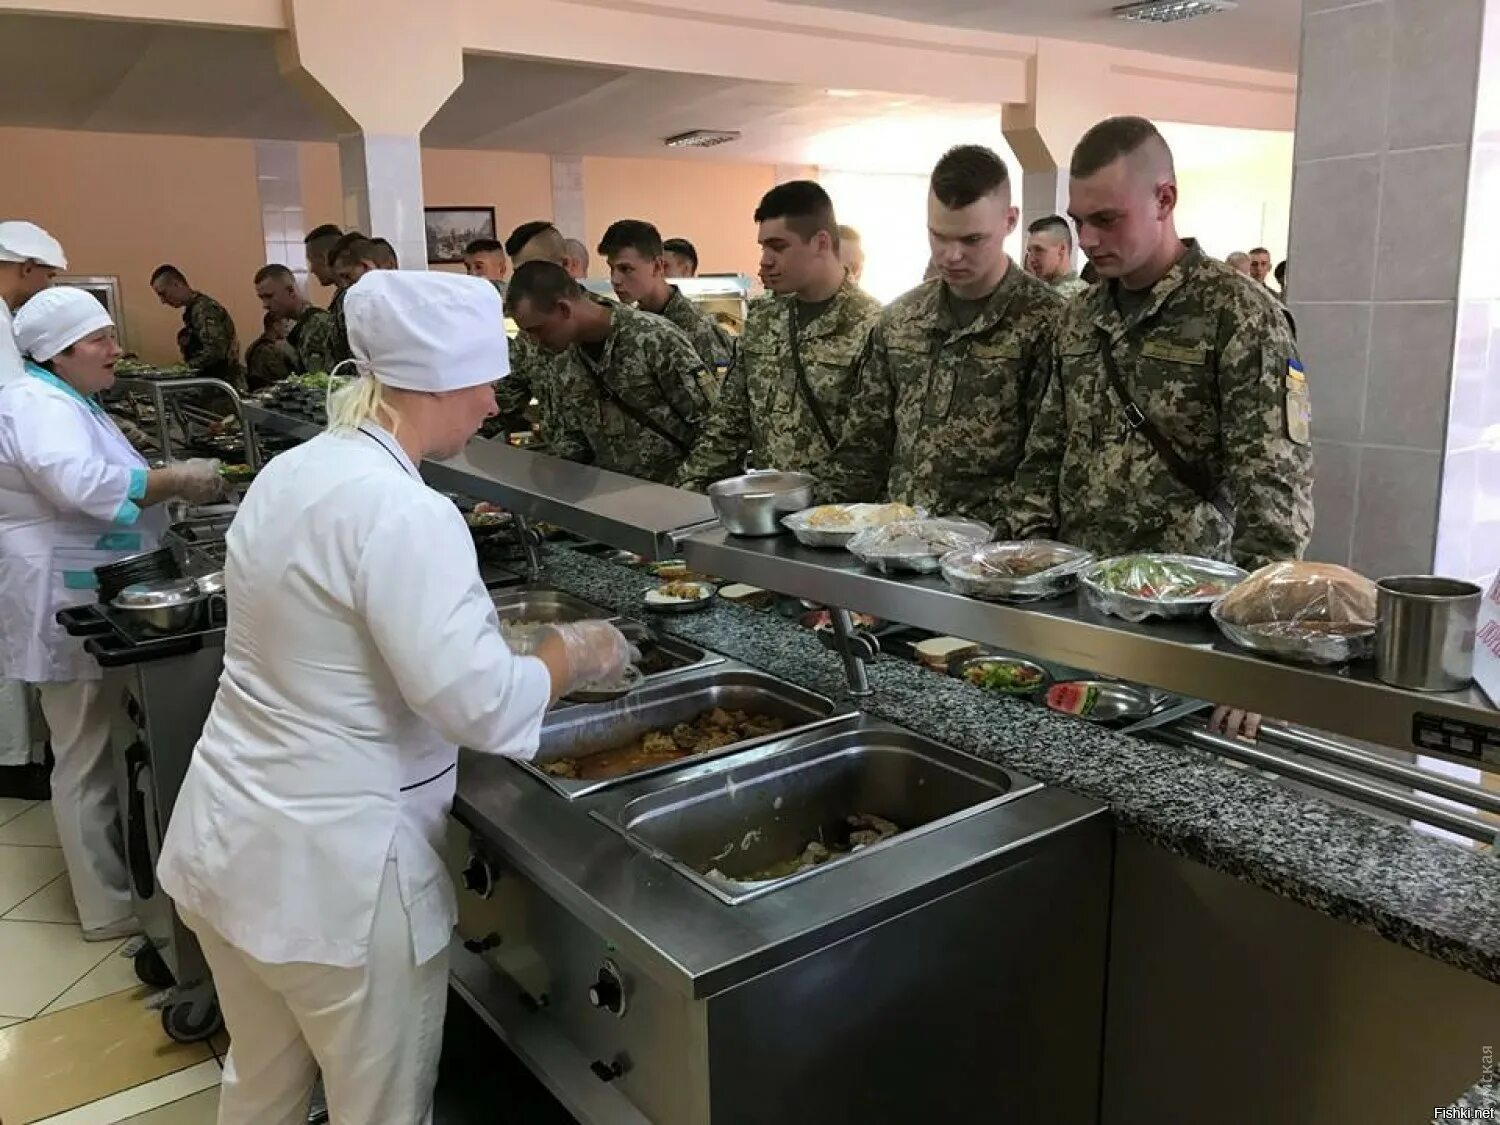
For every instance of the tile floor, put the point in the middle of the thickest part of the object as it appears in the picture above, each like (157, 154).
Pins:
(78, 1046)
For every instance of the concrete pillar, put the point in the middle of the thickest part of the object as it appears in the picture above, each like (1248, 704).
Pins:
(1393, 290)
(343, 54)
(569, 213)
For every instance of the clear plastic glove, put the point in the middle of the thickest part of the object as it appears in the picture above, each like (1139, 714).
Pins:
(197, 481)
(596, 652)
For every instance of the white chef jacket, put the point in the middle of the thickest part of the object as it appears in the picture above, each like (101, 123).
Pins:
(69, 482)
(12, 367)
(362, 650)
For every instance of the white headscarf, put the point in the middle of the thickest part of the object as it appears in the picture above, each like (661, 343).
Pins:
(427, 331)
(56, 319)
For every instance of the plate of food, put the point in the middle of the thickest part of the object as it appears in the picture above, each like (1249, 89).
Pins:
(1019, 570)
(1003, 675)
(680, 596)
(1102, 701)
(833, 525)
(915, 545)
(1311, 613)
(1136, 587)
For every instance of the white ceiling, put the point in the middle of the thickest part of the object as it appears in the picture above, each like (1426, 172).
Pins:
(1260, 33)
(122, 77)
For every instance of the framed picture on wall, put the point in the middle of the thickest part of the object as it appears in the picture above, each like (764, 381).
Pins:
(450, 229)
(105, 290)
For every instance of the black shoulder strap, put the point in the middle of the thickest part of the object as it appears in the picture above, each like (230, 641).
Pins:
(635, 412)
(1194, 477)
(802, 384)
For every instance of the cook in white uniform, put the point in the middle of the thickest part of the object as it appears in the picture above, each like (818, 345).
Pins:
(362, 650)
(74, 495)
(29, 260)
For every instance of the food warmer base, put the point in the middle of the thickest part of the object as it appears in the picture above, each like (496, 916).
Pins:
(954, 972)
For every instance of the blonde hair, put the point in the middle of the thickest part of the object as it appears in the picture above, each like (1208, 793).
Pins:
(360, 401)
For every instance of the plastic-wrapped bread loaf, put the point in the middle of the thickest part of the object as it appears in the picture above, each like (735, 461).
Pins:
(1302, 593)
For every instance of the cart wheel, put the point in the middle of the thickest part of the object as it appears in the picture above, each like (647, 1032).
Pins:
(151, 969)
(191, 1022)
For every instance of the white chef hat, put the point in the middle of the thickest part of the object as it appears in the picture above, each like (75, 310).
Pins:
(56, 319)
(426, 331)
(22, 241)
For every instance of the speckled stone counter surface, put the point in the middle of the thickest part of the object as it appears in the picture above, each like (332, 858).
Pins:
(1422, 893)
(1482, 1103)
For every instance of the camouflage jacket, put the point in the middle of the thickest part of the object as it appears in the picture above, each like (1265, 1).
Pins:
(514, 393)
(941, 412)
(1069, 286)
(268, 362)
(715, 346)
(315, 340)
(341, 350)
(1209, 360)
(594, 410)
(761, 407)
(208, 342)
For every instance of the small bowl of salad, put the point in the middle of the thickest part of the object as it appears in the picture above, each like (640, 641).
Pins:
(1003, 675)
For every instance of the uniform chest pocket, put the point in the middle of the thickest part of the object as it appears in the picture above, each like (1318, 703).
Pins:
(1092, 416)
(985, 375)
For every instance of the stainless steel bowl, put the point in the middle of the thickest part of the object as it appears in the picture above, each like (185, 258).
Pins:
(160, 609)
(211, 583)
(753, 504)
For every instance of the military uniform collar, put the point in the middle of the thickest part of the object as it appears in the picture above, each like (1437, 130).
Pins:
(617, 314)
(1106, 314)
(674, 297)
(994, 306)
(831, 322)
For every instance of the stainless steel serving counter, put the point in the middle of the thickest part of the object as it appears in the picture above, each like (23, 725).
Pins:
(623, 511)
(1188, 658)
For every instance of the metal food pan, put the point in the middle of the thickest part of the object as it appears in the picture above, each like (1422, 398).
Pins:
(578, 731)
(550, 607)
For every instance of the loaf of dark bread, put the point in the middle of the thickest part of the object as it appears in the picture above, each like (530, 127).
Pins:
(1302, 593)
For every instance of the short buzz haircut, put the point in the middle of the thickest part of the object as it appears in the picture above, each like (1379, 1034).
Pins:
(275, 272)
(170, 272)
(1111, 139)
(523, 234)
(804, 205)
(1052, 224)
(484, 246)
(347, 239)
(632, 234)
(1261, 250)
(353, 250)
(318, 234)
(966, 174)
(683, 248)
(385, 254)
(578, 252)
(544, 284)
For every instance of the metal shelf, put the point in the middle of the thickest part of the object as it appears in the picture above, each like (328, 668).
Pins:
(625, 512)
(1188, 658)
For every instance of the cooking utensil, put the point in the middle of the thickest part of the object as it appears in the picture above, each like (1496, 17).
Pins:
(211, 583)
(629, 680)
(149, 566)
(753, 504)
(1425, 636)
(160, 609)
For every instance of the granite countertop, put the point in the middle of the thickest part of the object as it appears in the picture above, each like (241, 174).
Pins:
(1481, 1103)
(1423, 893)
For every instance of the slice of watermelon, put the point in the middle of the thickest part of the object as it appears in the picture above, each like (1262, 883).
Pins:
(1072, 698)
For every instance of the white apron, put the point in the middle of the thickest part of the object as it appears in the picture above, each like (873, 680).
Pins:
(68, 484)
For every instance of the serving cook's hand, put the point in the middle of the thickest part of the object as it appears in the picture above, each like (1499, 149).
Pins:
(1232, 722)
(197, 481)
(595, 651)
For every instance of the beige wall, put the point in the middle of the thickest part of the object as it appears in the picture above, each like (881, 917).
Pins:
(122, 205)
(518, 185)
(711, 205)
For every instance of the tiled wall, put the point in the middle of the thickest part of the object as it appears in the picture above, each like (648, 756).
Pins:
(278, 178)
(1385, 130)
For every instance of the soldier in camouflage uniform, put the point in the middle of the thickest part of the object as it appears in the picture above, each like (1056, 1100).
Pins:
(638, 271)
(314, 335)
(320, 243)
(763, 410)
(958, 365)
(207, 340)
(1049, 256)
(628, 394)
(1207, 362)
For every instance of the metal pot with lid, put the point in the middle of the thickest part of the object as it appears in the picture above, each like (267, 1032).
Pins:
(160, 609)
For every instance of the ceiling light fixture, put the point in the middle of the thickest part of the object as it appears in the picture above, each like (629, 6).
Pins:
(1171, 11)
(702, 138)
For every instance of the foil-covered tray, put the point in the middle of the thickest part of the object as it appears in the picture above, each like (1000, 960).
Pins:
(915, 545)
(1302, 642)
(1141, 586)
(1019, 570)
(833, 525)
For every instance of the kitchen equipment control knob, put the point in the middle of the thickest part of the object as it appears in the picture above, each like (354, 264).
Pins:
(607, 1071)
(479, 876)
(607, 993)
